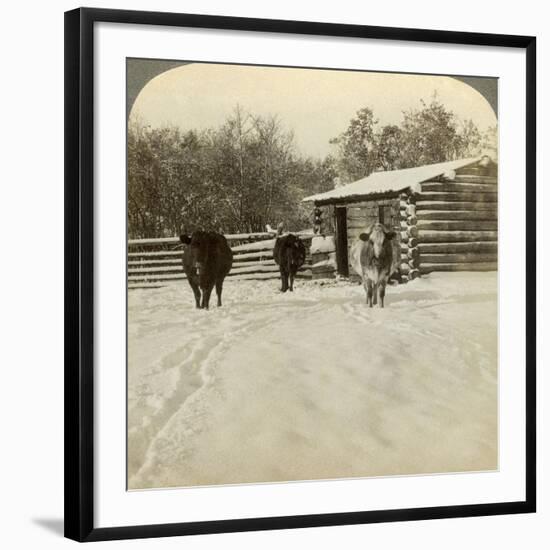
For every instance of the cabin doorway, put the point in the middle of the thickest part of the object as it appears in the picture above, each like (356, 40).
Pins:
(385, 216)
(342, 241)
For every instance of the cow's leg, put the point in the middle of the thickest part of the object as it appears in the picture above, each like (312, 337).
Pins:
(219, 287)
(292, 274)
(375, 293)
(203, 299)
(206, 296)
(381, 292)
(284, 280)
(195, 287)
(368, 288)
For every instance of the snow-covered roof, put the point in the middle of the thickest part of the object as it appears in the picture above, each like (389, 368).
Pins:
(392, 180)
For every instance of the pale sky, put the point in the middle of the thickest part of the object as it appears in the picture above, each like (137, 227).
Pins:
(316, 105)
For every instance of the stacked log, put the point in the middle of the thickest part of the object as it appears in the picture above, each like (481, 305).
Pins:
(410, 253)
(457, 224)
(323, 257)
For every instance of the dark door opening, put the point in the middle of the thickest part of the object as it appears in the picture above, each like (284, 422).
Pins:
(385, 216)
(342, 241)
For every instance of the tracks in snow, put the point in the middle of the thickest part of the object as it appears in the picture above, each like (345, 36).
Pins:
(203, 337)
(175, 352)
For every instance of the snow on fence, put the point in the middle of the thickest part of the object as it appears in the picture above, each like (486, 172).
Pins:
(323, 257)
(153, 263)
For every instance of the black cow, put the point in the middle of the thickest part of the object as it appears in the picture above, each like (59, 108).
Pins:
(289, 253)
(373, 257)
(207, 259)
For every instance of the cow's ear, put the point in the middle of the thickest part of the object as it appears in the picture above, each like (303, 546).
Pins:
(390, 235)
(185, 239)
(365, 236)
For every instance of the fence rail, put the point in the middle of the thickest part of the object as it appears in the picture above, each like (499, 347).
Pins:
(175, 240)
(154, 263)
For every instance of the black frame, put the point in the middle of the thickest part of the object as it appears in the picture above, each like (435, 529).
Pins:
(79, 269)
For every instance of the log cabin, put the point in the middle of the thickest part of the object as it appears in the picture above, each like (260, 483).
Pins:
(445, 216)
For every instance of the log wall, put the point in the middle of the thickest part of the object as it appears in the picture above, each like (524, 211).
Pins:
(409, 251)
(457, 223)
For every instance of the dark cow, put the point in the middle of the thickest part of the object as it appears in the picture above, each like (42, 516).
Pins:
(207, 259)
(373, 257)
(289, 253)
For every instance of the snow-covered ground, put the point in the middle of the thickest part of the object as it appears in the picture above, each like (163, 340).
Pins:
(312, 384)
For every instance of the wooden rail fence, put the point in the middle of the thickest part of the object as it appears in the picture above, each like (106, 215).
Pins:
(154, 263)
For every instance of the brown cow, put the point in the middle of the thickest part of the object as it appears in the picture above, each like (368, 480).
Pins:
(289, 254)
(207, 259)
(372, 257)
